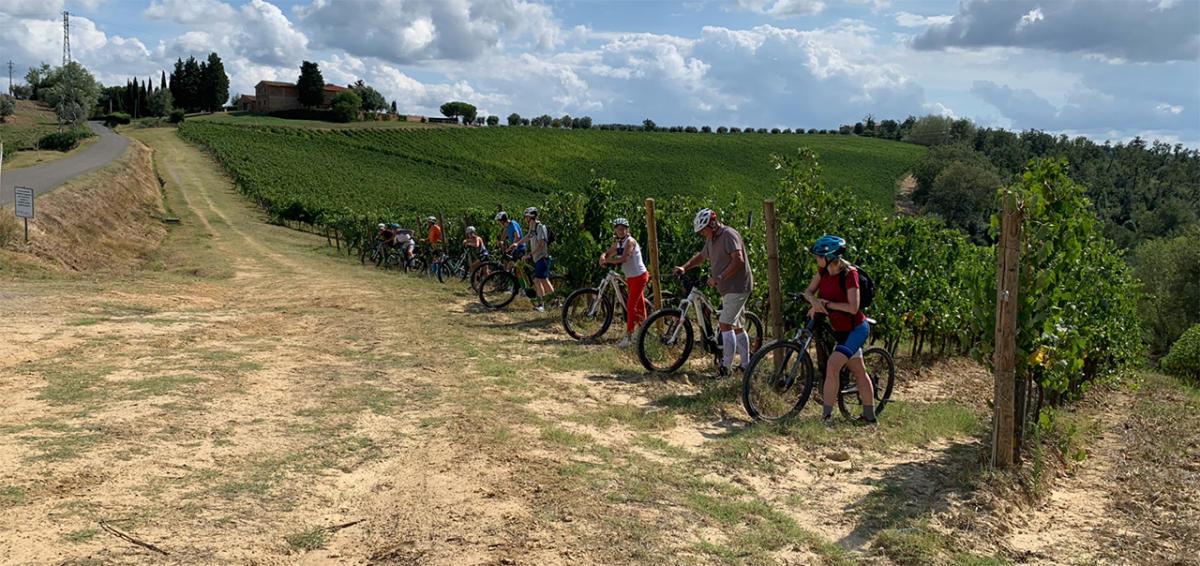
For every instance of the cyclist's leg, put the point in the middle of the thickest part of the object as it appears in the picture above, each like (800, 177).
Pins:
(855, 341)
(729, 321)
(635, 309)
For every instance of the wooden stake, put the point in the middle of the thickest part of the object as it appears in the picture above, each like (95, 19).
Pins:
(774, 296)
(1004, 359)
(652, 243)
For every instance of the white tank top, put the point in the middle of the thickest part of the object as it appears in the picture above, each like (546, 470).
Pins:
(633, 265)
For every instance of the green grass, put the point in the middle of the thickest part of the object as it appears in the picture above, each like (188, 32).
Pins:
(451, 169)
(311, 539)
(11, 496)
(27, 125)
(82, 535)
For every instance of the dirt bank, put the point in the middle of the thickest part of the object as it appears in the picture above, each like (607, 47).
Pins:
(108, 220)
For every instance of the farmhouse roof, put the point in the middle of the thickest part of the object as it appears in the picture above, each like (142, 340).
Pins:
(328, 87)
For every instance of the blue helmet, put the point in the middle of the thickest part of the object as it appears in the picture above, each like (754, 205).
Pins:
(829, 247)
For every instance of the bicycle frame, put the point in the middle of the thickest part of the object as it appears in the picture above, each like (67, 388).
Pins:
(695, 296)
(616, 284)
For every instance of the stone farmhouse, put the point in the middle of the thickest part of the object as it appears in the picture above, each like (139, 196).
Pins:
(272, 96)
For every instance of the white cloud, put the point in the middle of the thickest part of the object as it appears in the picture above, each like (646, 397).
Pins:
(1034, 15)
(265, 35)
(413, 31)
(190, 11)
(781, 8)
(908, 20)
(1169, 108)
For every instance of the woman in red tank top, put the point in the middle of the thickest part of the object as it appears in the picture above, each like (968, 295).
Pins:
(836, 283)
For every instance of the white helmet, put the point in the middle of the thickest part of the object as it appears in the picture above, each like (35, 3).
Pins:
(501, 216)
(431, 220)
(382, 225)
(702, 220)
(531, 211)
(621, 222)
(470, 229)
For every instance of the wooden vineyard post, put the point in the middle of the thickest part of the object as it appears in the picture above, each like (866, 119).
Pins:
(774, 298)
(652, 242)
(1005, 357)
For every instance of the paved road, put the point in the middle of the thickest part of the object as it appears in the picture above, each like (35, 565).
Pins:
(45, 178)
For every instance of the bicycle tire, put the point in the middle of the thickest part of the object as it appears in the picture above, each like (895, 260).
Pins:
(583, 299)
(669, 319)
(882, 370)
(481, 272)
(779, 392)
(498, 290)
(754, 326)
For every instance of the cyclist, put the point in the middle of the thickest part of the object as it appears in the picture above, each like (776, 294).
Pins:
(404, 240)
(539, 250)
(837, 283)
(474, 243)
(435, 232)
(726, 254)
(626, 252)
(510, 232)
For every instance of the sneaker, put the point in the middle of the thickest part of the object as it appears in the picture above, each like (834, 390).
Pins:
(827, 421)
(723, 371)
(863, 420)
(625, 342)
(540, 308)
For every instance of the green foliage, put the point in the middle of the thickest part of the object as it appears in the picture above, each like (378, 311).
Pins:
(7, 107)
(937, 159)
(311, 85)
(116, 119)
(177, 116)
(964, 196)
(456, 109)
(72, 91)
(1170, 274)
(493, 120)
(161, 103)
(372, 101)
(1184, 358)
(63, 141)
(346, 106)
(214, 86)
(1078, 318)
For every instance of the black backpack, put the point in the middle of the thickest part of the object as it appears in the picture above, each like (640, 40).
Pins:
(549, 235)
(866, 287)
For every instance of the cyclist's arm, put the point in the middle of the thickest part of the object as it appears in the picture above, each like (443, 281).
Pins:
(851, 304)
(738, 263)
(694, 262)
(609, 256)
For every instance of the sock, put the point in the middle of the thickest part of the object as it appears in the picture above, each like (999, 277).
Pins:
(743, 349)
(727, 345)
(869, 412)
(826, 411)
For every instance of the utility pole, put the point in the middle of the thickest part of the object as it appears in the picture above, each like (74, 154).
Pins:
(10, 86)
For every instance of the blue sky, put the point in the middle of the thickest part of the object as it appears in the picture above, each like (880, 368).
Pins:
(1106, 69)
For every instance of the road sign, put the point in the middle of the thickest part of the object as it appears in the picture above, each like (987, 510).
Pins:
(23, 201)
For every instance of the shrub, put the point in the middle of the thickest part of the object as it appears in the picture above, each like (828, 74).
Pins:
(1170, 273)
(116, 119)
(964, 196)
(177, 116)
(7, 107)
(346, 106)
(1184, 359)
(61, 141)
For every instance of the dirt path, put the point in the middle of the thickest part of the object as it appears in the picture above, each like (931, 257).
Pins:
(251, 392)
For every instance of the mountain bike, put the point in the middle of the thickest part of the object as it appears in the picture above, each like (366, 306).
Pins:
(588, 312)
(499, 288)
(487, 265)
(456, 268)
(666, 339)
(781, 376)
(373, 252)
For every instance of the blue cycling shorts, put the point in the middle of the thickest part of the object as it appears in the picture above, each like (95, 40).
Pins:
(541, 268)
(850, 343)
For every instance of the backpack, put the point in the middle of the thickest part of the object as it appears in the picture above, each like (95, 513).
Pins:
(866, 287)
(549, 234)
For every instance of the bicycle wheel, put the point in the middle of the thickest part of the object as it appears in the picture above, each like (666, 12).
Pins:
(481, 272)
(665, 341)
(498, 290)
(585, 315)
(882, 371)
(778, 382)
(755, 328)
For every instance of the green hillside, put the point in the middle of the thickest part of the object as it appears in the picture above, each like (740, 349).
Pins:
(298, 171)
